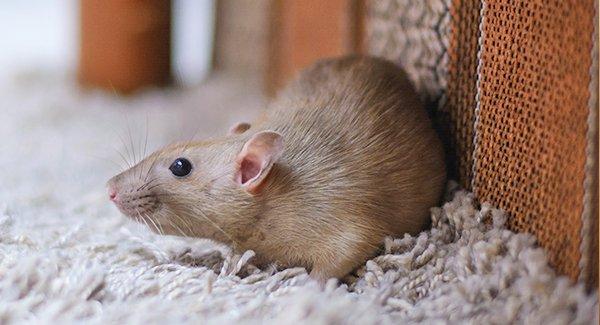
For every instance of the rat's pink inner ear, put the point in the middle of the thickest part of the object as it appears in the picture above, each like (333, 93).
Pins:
(256, 159)
(249, 169)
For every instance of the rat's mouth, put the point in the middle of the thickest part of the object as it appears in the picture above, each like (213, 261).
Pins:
(134, 205)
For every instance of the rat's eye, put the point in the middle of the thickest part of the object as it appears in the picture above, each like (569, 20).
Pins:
(181, 167)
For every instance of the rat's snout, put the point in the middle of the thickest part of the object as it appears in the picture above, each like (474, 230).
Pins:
(132, 197)
(112, 194)
(112, 189)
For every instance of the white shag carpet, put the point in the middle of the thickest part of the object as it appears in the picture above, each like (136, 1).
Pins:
(67, 256)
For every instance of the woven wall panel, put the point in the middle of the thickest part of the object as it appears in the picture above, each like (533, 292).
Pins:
(531, 127)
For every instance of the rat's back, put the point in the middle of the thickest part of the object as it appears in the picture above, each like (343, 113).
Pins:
(360, 150)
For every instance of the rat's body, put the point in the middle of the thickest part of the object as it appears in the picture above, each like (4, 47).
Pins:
(344, 157)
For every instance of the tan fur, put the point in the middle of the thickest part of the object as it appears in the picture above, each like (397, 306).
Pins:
(361, 161)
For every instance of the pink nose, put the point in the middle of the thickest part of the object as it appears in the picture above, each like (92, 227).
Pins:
(112, 194)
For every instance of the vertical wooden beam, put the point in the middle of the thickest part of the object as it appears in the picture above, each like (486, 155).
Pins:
(303, 31)
(125, 45)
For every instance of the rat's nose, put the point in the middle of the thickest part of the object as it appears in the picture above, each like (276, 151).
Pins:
(112, 194)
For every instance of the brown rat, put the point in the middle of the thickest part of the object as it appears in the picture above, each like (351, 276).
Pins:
(345, 156)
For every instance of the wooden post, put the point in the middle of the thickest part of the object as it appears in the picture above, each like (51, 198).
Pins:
(303, 31)
(125, 45)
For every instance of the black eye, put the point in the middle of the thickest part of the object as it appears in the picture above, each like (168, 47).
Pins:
(181, 167)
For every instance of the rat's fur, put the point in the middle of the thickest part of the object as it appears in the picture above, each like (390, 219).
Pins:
(361, 161)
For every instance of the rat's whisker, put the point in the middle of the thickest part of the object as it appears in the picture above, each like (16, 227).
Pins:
(123, 157)
(131, 140)
(143, 219)
(146, 137)
(153, 186)
(201, 213)
(142, 150)
(120, 166)
(153, 225)
(161, 227)
(185, 224)
(156, 156)
(124, 146)
(164, 195)
(146, 184)
(172, 224)
(156, 224)
(143, 155)
(129, 157)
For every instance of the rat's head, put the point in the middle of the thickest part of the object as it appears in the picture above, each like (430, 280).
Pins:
(197, 189)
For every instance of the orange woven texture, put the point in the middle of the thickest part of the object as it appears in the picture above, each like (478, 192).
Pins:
(531, 131)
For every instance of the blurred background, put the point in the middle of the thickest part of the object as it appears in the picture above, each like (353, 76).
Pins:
(89, 87)
(47, 35)
(131, 45)
(246, 49)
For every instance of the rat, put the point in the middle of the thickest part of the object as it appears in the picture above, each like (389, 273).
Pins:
(344, 156)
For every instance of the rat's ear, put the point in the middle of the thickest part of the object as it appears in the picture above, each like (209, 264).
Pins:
(239, 128)
(256, 159)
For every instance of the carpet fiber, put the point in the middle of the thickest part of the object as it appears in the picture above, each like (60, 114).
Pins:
(66, 254)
